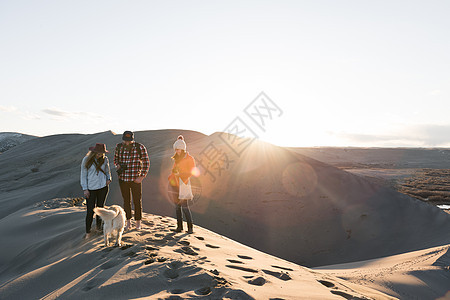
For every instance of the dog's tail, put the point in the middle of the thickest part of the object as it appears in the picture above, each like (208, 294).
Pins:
(106, 214)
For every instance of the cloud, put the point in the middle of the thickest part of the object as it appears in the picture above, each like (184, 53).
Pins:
(9, 108)
(61, 114)
(29, 116)
(56, 112)
(436, 93)
(18, 113)
(433, 135)
(425, 135)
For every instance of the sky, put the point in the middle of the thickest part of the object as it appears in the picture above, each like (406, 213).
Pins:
(333, 73)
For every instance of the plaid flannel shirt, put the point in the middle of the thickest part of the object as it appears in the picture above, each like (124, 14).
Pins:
(136, 166)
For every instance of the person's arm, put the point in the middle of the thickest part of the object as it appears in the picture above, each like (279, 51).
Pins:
(190, 166)
(172, 177)
(145, 161)
(84, 178)
(116, 157)
(107, 171)
(145, 164)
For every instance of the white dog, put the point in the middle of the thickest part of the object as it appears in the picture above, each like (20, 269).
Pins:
(114, 222)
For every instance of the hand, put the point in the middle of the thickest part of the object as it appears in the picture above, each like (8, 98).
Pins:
(86, 194)
(139, 179)
(108, 182)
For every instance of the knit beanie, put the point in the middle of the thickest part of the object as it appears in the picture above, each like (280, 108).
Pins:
(179, 143)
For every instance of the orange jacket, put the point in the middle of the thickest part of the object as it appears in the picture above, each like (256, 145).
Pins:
(184, 167)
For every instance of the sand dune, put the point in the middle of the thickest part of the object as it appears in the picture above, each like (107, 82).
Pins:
(154, 262)
(422, 274)
(269, 198)
(9, 140)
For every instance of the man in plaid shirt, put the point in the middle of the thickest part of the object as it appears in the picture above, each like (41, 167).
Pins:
(132, 164)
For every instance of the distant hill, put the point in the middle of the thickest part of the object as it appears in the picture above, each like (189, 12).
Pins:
(12, 139)
(390, 158)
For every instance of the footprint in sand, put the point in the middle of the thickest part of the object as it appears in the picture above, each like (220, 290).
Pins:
(235, 261)
(144, 232)
(260, 281)
(186, 243)
(200, 238)
(156, 241)
(279, 275)
(93, 283)
(176, 264)
(203, 291)
(336, 292)
(245, 257)
(220, 281)
(215, 272)
(130, 253)
(283, 268)
(347, 296)
(110, 264)
(106, 251)
(237, 294)
(186, 250)
(169, 237)
(171, 273)
(126, 246)
(242, 268)
(327, 283)
(212, 246)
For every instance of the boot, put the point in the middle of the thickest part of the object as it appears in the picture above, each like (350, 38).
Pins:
(138, 224)
(179, 220)
(179, 226)
(128, 226)
(190, 228)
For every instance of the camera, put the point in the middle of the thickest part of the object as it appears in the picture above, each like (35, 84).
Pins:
(123, 168)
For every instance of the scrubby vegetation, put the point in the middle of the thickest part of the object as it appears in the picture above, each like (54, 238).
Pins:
(431, 185)
(61, 202)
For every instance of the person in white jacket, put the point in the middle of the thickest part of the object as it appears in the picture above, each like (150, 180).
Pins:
(95, 179)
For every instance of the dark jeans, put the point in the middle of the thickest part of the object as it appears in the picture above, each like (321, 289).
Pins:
(128, 189)
(181, 205)
(96, 198)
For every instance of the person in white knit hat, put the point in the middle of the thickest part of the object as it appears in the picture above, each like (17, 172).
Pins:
(179, 183)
